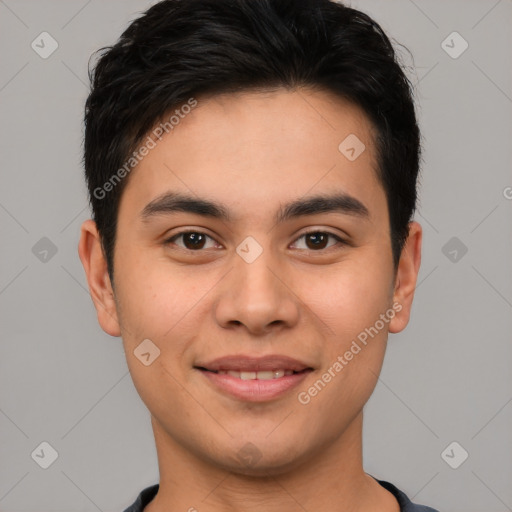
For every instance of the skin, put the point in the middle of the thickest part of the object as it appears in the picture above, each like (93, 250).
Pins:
(253, 152)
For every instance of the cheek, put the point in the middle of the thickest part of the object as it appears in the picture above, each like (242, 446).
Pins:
(350, 300)
(348, 296)
(167, 306)
(152, 296)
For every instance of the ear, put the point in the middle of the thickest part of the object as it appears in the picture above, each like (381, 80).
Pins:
(406, 277)
(95, 266)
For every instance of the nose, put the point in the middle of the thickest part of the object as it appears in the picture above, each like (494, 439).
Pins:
(257, 296)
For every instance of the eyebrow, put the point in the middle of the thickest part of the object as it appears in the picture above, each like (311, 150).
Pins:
(172, 202)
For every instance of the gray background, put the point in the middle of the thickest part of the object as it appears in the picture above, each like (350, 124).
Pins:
(446, 378)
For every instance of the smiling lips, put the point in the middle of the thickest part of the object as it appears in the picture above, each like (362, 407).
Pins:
(260, 375)
(254, 379)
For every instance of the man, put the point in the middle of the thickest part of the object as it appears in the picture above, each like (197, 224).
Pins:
(252, 169)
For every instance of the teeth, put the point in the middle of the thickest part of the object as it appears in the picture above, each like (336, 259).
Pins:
(263, 375)
(244, 375)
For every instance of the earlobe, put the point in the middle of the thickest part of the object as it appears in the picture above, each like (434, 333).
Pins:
(406, 278)
(100, 287)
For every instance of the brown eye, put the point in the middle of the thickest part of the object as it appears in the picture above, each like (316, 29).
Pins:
(191, 240)
(318, 240)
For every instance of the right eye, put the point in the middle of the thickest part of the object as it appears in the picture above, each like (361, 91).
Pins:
(192, 240)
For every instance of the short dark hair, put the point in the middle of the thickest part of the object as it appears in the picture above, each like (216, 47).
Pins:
(179, 49)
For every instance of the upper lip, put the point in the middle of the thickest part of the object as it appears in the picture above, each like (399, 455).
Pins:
(254, 364)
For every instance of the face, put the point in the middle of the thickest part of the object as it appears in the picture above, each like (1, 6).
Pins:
(262, 285)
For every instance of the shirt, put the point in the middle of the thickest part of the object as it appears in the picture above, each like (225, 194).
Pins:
(405, 503)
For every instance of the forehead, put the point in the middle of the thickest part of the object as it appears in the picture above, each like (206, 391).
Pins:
(254, 149)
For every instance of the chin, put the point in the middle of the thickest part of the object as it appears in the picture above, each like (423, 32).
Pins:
(261, 459)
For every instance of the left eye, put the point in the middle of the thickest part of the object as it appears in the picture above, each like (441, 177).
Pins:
(316, 240)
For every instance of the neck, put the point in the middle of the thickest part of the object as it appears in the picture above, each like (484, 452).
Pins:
(331, 479)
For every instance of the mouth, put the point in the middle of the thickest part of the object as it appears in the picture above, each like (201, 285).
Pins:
(256, 375)
(254, 379)
(249, 364)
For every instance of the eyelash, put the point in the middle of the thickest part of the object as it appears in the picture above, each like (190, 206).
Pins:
(328, 233)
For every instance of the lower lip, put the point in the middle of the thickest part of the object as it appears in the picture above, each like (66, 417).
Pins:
(255, 390)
